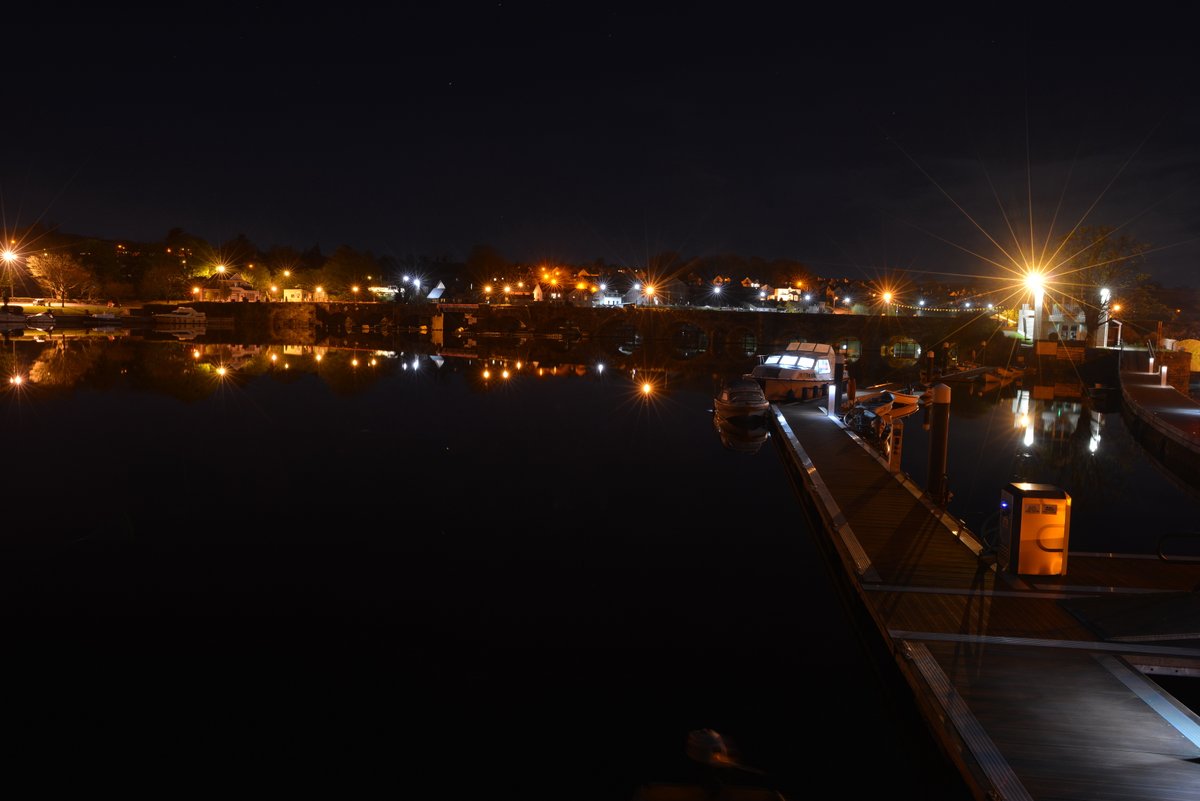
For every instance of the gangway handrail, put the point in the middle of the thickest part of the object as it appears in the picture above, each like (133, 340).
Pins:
(1177, 535)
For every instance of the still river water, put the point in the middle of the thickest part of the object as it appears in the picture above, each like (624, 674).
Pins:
(386, 566)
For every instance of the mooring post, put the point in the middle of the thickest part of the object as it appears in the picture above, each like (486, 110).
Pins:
(897, 446)
(939, 440)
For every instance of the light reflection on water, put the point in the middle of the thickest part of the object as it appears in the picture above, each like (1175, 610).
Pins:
(550, 577)
(1122, 501)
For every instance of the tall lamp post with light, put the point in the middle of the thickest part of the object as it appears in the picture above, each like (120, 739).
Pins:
(1105, 314)
(1035, 282)
(9, 257)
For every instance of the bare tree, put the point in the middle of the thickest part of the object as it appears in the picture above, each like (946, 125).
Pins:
(1097, 258)
(60, 273)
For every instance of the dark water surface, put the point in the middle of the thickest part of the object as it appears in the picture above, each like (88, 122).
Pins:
(325, 576)
(1122, 501)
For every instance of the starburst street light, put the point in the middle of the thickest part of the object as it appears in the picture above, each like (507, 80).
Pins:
(9, 257)
(1035, 282)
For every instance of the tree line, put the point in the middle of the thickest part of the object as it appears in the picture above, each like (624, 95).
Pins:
(67, 266)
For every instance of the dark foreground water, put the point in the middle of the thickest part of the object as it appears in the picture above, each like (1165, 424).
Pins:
(332, 576)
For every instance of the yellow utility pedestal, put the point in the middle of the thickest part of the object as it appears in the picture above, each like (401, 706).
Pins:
(1035, 526)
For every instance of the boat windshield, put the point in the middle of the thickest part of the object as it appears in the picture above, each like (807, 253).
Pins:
(823, 365)
(806, 362)
(771, 360)
(788, 361)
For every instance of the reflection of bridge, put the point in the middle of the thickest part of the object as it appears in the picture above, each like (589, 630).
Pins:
(664, 334)
(719, 330)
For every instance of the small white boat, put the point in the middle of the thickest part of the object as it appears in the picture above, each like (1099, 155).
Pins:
(103, 318)
(1002, 375)
(877, 402)
(43, 320)
(912, 393)
(900, 411)
(902, 395)
(801, 371)
(181, 315)
(741, 397)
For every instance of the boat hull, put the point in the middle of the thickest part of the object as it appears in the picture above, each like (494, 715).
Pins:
(733, 409)
(741, 398)
(801, 371)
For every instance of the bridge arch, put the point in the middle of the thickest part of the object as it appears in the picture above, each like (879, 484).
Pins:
(740, 341)
(687, 340)
(618, 336)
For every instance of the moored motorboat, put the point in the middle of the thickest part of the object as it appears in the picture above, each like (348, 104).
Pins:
(902, 394)
(801, 371)
(963, 373)
(181, 316)
(1002, 375)
(878, 402)
(103, 319)
(741, 397)
(42, 320)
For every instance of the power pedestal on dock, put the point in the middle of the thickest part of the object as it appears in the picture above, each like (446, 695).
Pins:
(1035, 526)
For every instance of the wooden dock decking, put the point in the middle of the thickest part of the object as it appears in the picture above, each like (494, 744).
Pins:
(1036, 686)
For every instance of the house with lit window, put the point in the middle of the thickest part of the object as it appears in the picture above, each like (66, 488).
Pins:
(226, 286)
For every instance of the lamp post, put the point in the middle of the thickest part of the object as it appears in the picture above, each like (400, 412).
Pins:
(1035, 283)
(10, 257)
(1102, 334)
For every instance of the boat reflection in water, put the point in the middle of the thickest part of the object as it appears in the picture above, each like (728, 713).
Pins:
(746, 434)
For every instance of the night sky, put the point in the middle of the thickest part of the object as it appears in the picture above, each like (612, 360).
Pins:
(573, 135)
